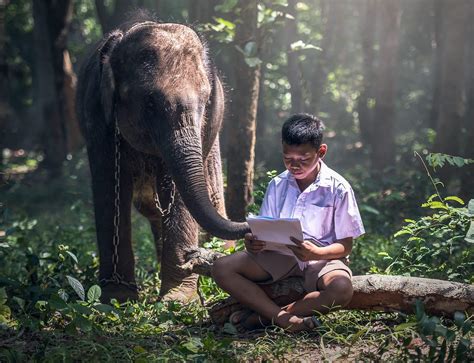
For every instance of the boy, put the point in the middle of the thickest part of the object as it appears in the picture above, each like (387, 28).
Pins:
(324, 203)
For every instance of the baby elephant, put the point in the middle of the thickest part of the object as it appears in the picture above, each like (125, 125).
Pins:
(150, 105)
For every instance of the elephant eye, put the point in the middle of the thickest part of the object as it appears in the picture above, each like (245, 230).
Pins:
(147, 56)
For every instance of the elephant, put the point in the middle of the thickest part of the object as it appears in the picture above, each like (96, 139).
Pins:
(150, 105)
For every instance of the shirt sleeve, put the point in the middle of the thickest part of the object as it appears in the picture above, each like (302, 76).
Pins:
(268, 208)
(347, 220)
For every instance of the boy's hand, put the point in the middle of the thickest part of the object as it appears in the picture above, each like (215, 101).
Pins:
(304, 250)
(252, 244)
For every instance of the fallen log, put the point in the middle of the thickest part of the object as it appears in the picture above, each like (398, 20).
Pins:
(371, 292)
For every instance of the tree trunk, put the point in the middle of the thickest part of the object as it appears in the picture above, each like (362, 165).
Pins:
(454, 24)
(371, 292)
(74, 136)
(5, 111)
(383, 138)
(331, 12)
(241, 142)
(365, 109)
(437, 53)
(55, 89)
(467, 179)
(293, 67)
(451, 102)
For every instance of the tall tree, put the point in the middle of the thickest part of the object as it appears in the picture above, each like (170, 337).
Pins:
(383, 137)
(437, 53)
(241, 145)
(367, 26)
(331, 16)
(467, 179)
(451, 104)
(55, 81)
(293, 68)
(4, 104)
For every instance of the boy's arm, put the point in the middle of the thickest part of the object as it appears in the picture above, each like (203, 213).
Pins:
(307, 251)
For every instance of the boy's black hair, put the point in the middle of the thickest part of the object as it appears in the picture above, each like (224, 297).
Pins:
(303, 128)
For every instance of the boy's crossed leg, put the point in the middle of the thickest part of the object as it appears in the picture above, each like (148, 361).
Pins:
(238, 274)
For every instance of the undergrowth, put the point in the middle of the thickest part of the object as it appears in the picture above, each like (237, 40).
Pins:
(50, 308)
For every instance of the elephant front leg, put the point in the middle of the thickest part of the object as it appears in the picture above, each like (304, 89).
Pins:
(117, 264)
(180, 232)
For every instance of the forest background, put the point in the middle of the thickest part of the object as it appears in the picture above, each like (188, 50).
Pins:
(392, 80)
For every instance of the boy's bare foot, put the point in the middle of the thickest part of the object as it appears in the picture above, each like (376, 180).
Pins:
(294, 324)
(247, 320)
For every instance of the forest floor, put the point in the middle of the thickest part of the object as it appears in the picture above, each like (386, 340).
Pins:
(50, 309)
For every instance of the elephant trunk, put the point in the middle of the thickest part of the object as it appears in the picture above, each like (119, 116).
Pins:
(183, 156)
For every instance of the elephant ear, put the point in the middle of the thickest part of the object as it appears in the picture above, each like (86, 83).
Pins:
(107, 82)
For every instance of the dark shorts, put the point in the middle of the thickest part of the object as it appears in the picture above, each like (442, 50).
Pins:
(281, 266)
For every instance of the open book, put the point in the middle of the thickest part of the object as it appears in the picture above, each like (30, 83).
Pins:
(276, 232)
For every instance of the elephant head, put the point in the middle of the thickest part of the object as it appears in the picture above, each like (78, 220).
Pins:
(157, 84)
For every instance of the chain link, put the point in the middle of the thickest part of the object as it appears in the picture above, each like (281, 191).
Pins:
(165, 212)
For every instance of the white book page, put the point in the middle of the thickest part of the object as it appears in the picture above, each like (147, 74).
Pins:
(276, 232)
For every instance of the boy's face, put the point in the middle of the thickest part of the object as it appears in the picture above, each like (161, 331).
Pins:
(302, 160)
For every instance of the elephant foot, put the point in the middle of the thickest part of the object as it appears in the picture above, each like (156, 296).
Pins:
(184, 293)
(119, 292)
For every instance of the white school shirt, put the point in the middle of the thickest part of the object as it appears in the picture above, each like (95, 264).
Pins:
(327, 208)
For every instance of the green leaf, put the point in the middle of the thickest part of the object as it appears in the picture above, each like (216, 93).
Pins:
(41, 305)
(194, 344)
(456, 199)
(458, 161)
(81, 309)
(63, 295)
(83, 323)
(402, 232)
(470, 207)
(139, 349)
(77, 286)
(73, 256)
(94, 293)
(369, 209)
(250, 49)
(5, 314)
(225, 23)
(435, 205)
(103, 308)
(253, 62)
